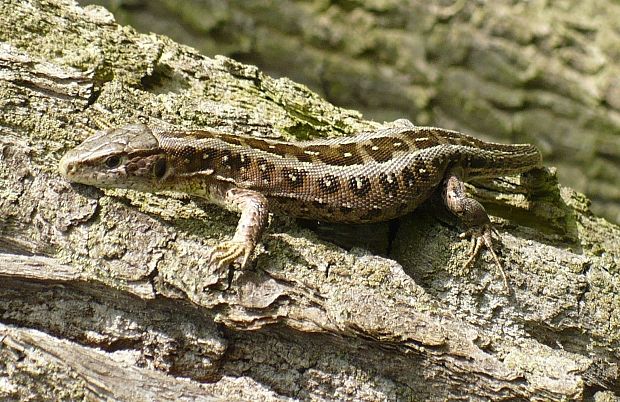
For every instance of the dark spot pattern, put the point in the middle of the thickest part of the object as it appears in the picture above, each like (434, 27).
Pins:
(422, 172)
(207, 159)
(294, 178)
(389, 184)
(359, 185)
(329, 184)
(238, 162)
(409, 177)
(266, 170)
(224, 158)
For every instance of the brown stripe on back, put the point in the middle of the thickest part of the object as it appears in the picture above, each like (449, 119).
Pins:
(257, 143)
(380, 149)
(188, 134)
(423, 139)
(334, 155)
(183, 151)
(399, 144)
(283, 149)
(230, 139)
(349, 155)
(441, 136)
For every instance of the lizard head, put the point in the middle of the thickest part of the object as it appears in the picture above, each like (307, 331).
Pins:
(126, 157)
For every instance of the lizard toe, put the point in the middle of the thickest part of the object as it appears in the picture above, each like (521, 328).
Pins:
(482, 236)
(229, 252)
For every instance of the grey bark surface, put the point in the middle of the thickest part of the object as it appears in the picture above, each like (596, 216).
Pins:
(106, 295)
(543, 72)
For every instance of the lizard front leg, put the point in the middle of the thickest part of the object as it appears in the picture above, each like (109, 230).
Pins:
(254, 212)
(474, 217)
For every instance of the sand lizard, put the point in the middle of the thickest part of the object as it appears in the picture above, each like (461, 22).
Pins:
(374, 176)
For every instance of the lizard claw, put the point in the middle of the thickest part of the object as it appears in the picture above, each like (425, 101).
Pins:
(482, 236)
(230, 251)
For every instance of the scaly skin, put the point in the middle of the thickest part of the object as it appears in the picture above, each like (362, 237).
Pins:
(374, 176)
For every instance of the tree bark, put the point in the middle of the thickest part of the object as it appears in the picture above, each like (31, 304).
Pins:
(108, 294)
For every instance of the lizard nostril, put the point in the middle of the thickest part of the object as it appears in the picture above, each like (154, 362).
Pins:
(66, 167)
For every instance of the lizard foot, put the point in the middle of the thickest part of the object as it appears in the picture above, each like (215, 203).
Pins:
(230, 251)
(482, 236)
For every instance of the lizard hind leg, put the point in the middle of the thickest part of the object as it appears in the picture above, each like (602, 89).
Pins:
(473, 215)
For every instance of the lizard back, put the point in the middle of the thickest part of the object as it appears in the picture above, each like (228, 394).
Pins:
(373, 176)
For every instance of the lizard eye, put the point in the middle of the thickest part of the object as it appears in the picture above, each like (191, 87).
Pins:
(113, 161)
(159, 168)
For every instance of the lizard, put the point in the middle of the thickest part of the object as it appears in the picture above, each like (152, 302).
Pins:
(369, 177)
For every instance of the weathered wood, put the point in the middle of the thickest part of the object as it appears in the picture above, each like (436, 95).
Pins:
(101, 290)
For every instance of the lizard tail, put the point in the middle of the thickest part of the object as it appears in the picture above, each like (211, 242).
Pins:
(501, 160)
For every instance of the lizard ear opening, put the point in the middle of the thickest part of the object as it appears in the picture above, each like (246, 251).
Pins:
(159, 168)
